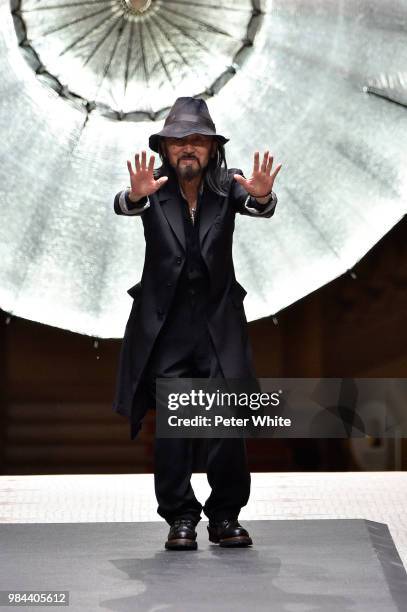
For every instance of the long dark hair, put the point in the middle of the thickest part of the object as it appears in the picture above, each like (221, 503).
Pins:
(215, 174)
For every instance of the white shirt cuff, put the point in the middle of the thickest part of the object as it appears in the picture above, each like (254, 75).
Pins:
(266, 207)
(134, 211)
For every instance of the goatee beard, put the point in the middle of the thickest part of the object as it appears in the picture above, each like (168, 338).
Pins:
(190, 171)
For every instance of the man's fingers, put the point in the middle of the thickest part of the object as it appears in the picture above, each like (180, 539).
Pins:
(256, 162)
(137, 162)
(276, 171)
(264, 163)
(129, 168)
(240, 179)
(151, 163)
(143, 160)
(160, 182)
(269, 165)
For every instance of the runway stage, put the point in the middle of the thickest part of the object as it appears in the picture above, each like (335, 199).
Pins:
(321, 542)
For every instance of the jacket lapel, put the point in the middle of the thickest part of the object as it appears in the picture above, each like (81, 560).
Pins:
(169, 196)
(209, 209)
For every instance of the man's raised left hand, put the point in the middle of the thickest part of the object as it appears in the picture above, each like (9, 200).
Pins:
(260, 184)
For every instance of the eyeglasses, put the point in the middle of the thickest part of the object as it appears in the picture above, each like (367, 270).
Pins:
(196, 140)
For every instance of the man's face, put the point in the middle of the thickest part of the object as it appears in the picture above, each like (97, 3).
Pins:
(189, 155)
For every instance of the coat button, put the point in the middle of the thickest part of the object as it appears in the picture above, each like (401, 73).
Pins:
(169, 284)
(160, 313)
(179, 260)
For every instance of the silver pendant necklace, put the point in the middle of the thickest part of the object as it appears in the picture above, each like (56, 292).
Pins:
(192, 210)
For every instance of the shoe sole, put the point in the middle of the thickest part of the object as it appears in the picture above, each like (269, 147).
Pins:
(181, 544)
(232, 542)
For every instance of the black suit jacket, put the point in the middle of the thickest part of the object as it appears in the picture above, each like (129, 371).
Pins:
(153, 294)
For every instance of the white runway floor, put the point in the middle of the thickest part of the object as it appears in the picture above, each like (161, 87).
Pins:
(376, 496)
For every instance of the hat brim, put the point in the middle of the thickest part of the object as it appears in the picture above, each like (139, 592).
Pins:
(180, 131)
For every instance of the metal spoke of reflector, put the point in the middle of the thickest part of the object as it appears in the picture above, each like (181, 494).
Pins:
(130, 57)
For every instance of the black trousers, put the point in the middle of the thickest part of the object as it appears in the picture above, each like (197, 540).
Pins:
(184, 349)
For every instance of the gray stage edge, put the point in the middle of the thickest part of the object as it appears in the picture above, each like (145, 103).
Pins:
(294, 566)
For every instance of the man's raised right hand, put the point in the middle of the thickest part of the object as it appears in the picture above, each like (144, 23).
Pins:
(142, 180)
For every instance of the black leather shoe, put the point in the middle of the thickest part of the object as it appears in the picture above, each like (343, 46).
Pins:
(229, 532)
(182, 535)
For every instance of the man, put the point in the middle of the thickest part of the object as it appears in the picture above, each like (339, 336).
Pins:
(187, 318)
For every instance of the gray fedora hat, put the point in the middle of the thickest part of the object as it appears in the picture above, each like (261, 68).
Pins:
(187, 116)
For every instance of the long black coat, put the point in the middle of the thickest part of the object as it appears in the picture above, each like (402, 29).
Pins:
(153, 294)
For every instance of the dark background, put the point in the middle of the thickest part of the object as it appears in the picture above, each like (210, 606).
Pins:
(57, 387)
